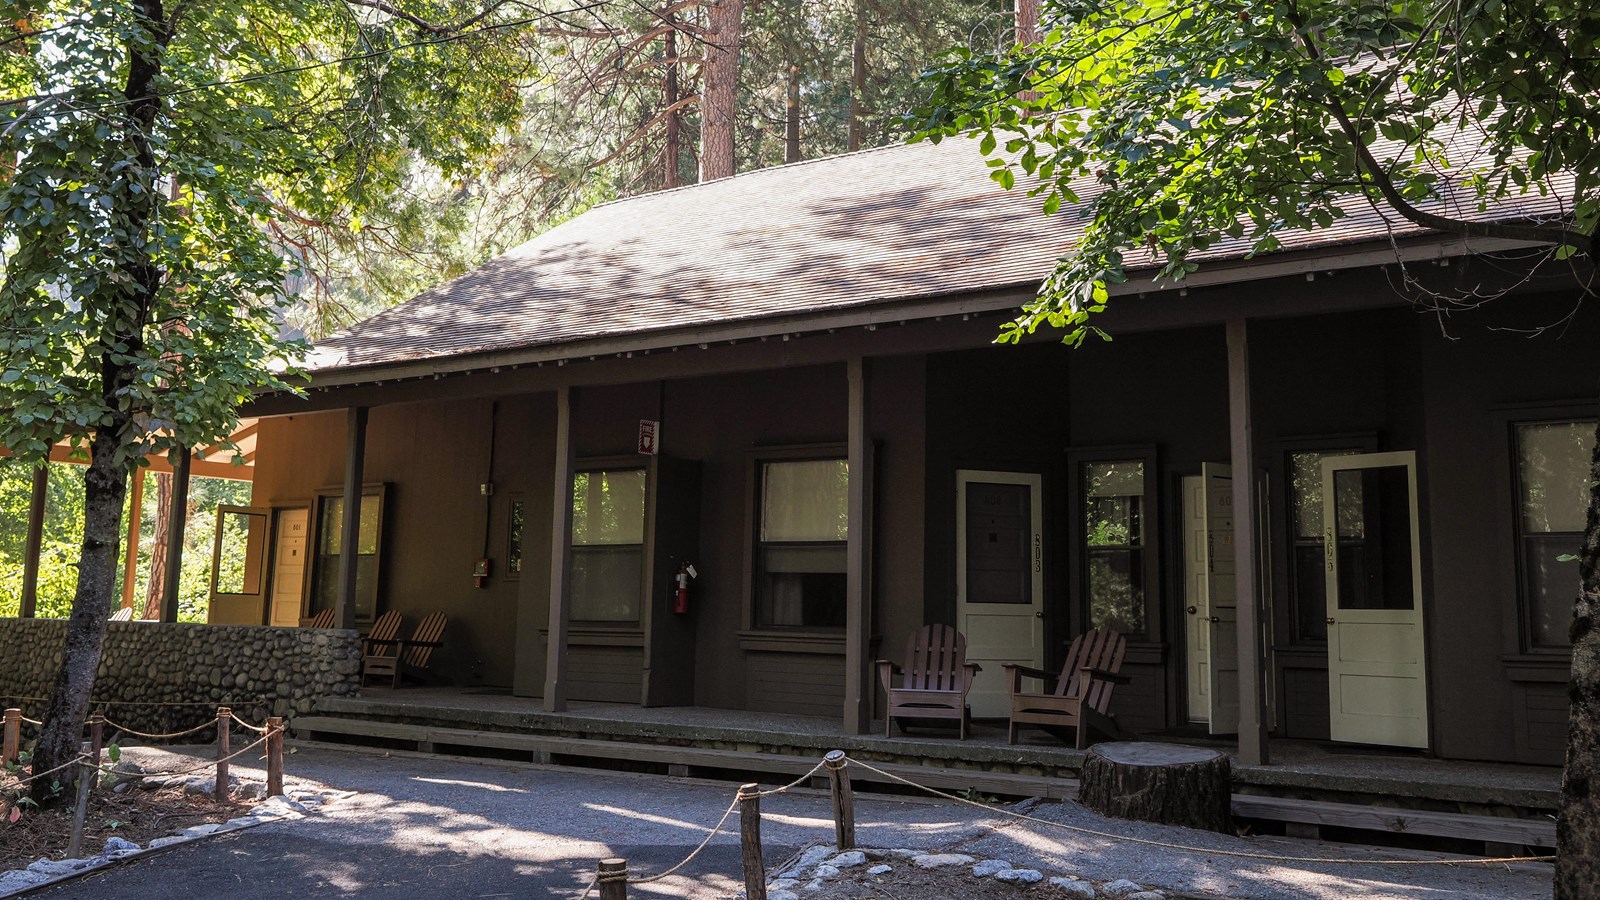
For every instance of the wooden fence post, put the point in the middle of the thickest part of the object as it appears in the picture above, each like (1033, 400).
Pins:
(274, 756)
(755, 870)
(844, 807)
(613, 879)
(13, 737)
(97, 731)
(224, 730)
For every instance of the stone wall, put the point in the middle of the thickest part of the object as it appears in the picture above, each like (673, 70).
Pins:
(161, 678)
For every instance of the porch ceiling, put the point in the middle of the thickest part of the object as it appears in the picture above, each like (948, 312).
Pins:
(211, 461)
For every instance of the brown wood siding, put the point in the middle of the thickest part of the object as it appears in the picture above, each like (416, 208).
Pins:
(604, 674)
(1303, 706)
(1541, 723)
(800, 683)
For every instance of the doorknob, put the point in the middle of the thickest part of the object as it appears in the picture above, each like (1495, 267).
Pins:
(1038, 615)
(1216, 618)
(1330, 620)
(1193, 610)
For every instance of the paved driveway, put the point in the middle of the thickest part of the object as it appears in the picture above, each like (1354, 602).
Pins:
(429, 827)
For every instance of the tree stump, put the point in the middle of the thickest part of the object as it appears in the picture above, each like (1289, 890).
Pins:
(1164, 783)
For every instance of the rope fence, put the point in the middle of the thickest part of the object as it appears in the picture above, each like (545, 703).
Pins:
(612, 878)
(270, 735)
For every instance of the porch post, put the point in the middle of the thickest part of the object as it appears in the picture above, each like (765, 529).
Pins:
(858, 555)
(555, 673)
(35, 543)
(130, 558)
(177, 518)
(355, 455)
(1252, 699)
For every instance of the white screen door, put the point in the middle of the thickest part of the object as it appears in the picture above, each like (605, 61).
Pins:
(289, 568)
(999, 580)
(1377, 676)
(1211, 630)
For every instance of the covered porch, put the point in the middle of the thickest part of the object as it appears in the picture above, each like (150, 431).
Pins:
(1365, 794)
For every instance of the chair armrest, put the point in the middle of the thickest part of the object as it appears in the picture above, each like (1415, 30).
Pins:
(410, 643)
(1103, 675)
(886, 673)
(973, 666)
(1029, 671)
(386, 642)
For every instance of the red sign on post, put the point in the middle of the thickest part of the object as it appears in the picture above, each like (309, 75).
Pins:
(649, 437)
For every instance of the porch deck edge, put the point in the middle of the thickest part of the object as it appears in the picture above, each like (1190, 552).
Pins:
(1046, 760)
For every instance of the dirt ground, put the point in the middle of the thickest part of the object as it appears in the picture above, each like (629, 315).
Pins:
(135, 815)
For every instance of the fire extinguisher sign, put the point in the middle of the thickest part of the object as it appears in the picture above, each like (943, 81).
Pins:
(649, 437)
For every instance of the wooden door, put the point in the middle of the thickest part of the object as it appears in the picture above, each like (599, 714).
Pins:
(289, 567)
(238, 588)
(1211, 623)
(1377, 672)
(999, 580)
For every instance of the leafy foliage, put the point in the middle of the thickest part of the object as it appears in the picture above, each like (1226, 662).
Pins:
(1179, 124)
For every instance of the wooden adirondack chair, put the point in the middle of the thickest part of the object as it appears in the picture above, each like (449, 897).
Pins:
(934, 682)
(323, 619)
(414, 653)
(125, 614)
(1082, 697)
(380, 650)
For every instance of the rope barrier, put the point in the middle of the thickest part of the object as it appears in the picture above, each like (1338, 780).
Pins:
(160, 737)
(66, 765)
(1238, 854)
(793, 784)
(686, 860)
(30, 721)
(212, 763)
(258, 729)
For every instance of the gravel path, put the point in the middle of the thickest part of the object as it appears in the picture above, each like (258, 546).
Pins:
(421, 826)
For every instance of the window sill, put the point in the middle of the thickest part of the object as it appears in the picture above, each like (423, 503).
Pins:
(827, 643)
(600, 636)
(1552, 666)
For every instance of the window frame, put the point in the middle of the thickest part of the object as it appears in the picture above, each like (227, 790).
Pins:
(1513, 420)
(315, 560)
(758, 459)
(1150, 529)
(1282, 526)
(514, 546)
(614, 464)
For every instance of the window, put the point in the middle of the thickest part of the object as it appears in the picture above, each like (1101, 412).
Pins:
(800, 556)
(1308, 586)
(330, 531)
(514, 538)
(1116, 532)
(607, 573)
(1553, 461)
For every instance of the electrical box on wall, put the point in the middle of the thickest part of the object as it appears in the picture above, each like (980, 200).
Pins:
(486, 489)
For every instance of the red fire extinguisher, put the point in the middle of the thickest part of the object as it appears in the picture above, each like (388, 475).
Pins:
(680, 599)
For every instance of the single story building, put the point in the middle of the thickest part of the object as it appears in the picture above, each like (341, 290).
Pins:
(787, 381)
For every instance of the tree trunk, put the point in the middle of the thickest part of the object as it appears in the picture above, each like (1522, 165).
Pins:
(669, 156)
(1578, 825)
(158, 547)
(105, 487)
(1188, 786)
(1027, 22)
(791, 121)
(133, 211)
(719, 99)
(855, 132)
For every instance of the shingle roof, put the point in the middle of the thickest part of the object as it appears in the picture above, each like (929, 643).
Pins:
(876, 226)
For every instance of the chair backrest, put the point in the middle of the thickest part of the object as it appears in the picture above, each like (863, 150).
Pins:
(323, 619)
(124, 614)
(1097, 648)
(428, 630)
(386, 628)
(934, 659)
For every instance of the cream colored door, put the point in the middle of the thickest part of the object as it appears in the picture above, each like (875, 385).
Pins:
(289, 567)
(237, 586)
(1211, 621)
(1377, 672)
(999, 580)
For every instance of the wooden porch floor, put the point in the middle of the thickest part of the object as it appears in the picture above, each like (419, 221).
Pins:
(1306, 769)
